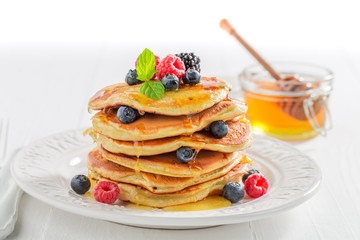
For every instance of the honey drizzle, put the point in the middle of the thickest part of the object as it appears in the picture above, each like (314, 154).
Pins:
(140, 127)
(196, 152)
(188, 122)
(193, 164)
(246, 159)
(137, 166)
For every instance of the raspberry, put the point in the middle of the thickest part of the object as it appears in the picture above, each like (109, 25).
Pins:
(157, 61)
(170, 64)
(106, 192)
(256, 185)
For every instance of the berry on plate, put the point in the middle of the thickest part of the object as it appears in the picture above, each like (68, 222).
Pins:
(80, 184)
(191, 77)
(170, 82)
(170, 64)
(219, 129)
(233, 191)
(256, 185)
(126, 114)
(106, 192)
(184, 154)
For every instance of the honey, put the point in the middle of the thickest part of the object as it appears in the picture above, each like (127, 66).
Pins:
(139, 207)
(89, 195)
(288, 109)
(247, 160)
(266, 116)
(92, 182)
(209, 203)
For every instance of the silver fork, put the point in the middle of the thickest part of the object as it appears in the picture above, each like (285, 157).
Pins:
(10, 193)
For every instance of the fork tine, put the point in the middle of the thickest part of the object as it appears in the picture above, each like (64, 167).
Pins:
(4, 129)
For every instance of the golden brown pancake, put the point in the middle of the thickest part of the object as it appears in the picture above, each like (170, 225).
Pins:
(152, 126)
(238, 138)
(194, 193)
(186, 100)
(167, 163)
(99, 166)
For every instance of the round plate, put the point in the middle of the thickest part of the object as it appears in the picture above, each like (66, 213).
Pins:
(45, 168)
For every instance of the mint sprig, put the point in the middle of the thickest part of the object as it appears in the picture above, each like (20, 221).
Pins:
(146, 69)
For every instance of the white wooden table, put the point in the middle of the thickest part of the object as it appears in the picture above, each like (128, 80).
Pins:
(45, 89)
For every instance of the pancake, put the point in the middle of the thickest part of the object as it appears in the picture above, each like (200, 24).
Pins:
(99, 166)
(152, 126)
(167, 163)
(238, 138)
(194, 193)
(187, 100)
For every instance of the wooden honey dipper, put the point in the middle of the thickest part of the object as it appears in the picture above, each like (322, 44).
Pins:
(293, 106)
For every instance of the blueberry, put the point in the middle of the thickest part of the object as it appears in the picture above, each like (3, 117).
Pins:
(126, 114)
(170, 82)
(233, 191)
(250, 172)
(184, 154)
(131, 78)
(219, 129)
(80, 184)
(191, 77)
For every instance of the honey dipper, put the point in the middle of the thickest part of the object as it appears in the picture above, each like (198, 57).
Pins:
(293, 106)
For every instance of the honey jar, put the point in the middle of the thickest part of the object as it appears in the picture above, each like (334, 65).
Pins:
(288, 110)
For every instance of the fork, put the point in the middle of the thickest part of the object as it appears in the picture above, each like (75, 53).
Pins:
(10, 193)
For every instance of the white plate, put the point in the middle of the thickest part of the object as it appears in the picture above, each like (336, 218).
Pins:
(45, 168)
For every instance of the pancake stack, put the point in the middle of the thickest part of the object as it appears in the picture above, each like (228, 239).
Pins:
(140, 157)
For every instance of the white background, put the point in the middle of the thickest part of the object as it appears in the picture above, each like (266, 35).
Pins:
(55, 54)
(307, 27)
(306, 23)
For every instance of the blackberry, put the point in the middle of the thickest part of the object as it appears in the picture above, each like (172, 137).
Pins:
(190, 60)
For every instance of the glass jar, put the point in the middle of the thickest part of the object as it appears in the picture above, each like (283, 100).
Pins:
(288, 109)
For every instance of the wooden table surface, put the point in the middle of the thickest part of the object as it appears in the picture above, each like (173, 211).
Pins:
(45, 89)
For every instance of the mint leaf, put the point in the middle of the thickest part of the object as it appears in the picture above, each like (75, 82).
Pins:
(146, 65)
(152, 89)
